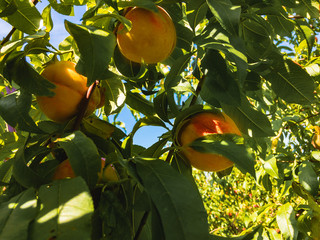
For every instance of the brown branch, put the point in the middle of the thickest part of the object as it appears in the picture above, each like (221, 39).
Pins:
(9, 35)
(84, 105)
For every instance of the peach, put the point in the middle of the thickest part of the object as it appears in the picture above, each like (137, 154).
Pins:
(203, 124)
(152, 37)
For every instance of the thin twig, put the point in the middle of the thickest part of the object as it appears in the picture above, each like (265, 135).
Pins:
(142, 223)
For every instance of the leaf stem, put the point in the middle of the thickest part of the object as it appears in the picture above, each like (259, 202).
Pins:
(141, 225)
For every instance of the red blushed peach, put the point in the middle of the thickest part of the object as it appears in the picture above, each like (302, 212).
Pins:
(200, 125)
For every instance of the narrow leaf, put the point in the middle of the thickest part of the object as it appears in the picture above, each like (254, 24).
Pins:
(179, 204)
(271, 167)
(226, 13)
(96, 48)
(16, 215)
(228, 145)
(26, 18)
(14, 109)
(139, 103)
(290, 82)
(249, 120)
(83, 156)
(115, 95)
(196, 12)
(308, 178)
(287, 222)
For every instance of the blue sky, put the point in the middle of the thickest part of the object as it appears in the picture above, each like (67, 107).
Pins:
(146, 136)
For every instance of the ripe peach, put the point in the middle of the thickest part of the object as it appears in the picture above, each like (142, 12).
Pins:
(70, 89)
(152, 37)
(200, 125)
(64, 170)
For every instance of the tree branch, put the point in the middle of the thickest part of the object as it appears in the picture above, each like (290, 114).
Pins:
(84, 105)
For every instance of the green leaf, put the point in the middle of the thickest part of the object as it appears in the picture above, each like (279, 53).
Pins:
(233, 55)
(316, 155)
(257, 34)
(183, 167)
(62, 8)
(248, 235)
(155, 149)
(308, 8)
(309, 36)
(75, 2)
(307, 196)
(98, 127)
(184, 37)
(139, 103)
(47, 20)
(17, 214)
(6, 169)
(148, 4)
(271, 167)
(249, 120)
(196, 12)
(176, 199)
(281, 24)
(14, 43)
(22, 172)
(117, 224)
(21, 72)
(287, 222)
(290, 82)
(219, 83)
(10, 9)
(161, 106)
(308, 178)
(115, 94)
(227, 14)
(126, 67)
(230, 146)
(26, 18)
(172, 79)
(66, 211)
(83, 156)
(96, 49)
(14, 109)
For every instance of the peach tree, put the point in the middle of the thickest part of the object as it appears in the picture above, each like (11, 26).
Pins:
(255, 61)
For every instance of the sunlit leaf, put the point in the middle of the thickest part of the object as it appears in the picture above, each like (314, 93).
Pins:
(66, 211)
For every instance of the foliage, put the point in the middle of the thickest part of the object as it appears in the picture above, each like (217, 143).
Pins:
(257, 61)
